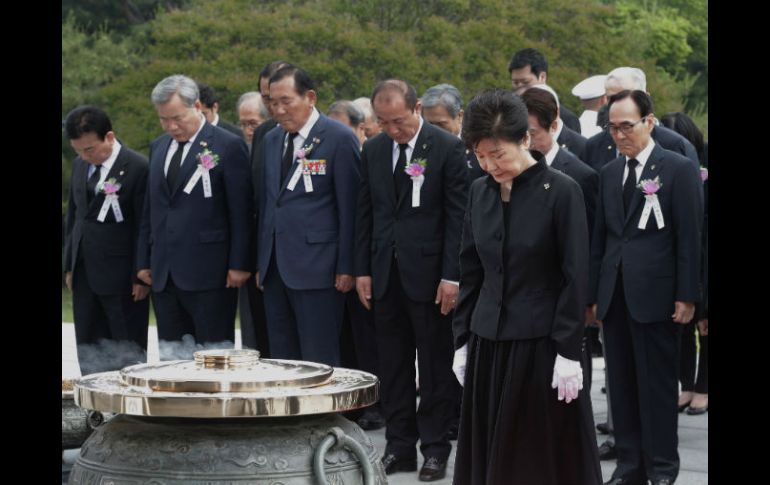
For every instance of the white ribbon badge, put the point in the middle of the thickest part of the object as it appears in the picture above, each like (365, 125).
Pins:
(200, 173)
(295, 177)
(416, 187)
(110, 201)
(651, 204)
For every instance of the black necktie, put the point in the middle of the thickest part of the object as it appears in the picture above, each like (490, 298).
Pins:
(288, 157)
(174, 165)
(630, 185)
(92, 182)
(400, 176)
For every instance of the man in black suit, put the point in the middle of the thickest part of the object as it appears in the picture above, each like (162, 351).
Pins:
(528, 67)
(601, 148)
(251, 300)
(543, 122)
(198, 217)
(210, 109)
(644, 280)
(105, 204)
(408, 240)
(442, 107)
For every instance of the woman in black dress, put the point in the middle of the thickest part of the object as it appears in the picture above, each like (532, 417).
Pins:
(523, 283)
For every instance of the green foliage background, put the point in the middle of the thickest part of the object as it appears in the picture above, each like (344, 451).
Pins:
(114, 52)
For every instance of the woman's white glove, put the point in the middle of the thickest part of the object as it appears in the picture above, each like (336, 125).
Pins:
(458, 364)
(567, 377)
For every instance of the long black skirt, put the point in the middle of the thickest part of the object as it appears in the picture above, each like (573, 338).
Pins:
(513, 428)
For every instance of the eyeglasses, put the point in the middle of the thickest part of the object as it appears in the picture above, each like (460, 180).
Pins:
(250, 124)
(626, 127)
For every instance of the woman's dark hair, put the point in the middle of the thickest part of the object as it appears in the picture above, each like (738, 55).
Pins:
(685, 126)
(495, 113)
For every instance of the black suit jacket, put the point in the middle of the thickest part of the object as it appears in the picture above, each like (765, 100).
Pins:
(230, 127)
(600, 148)
(198, 238)
(532, 281)
(108, 248)
(660, 266)
(569, 118)
(573, 141)
(425, 239)
(585, 176)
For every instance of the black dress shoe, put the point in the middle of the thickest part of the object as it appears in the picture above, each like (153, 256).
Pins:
(371, 420)
(393, 464)
(607, 451)
(603, 428)
(662, 481)
(433, 469)
(625, 481)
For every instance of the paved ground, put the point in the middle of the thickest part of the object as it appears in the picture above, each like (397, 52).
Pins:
(693, 430)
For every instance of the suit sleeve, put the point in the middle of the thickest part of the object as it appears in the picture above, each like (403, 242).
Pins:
(240, 203)
(687, 212)
(347, 180)
(598, 242)
(455, 198)
(590, 193)
(143, 247)
(363, 242)
(139, 199)
(69, 224)
(572, 243)
(471, 279)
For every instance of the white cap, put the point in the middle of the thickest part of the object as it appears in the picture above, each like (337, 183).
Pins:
(590, 88)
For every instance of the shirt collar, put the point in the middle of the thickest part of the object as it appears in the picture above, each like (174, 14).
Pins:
(644, 154)
(552, 153)
(304, 132)
(175, 144)
(216, 119)
(107, 164)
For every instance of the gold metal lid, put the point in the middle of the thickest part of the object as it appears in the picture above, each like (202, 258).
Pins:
(227, 383)
(228, 370)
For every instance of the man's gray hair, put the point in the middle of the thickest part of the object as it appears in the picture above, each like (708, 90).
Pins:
(185, 87)
(444, 95)
(628, 77)
(253, 96)
(365, 105)
(353, 112)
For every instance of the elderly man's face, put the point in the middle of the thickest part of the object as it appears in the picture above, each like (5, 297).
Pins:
(629, 130)
(93, 150)
(250, 117)
(179, 121)
(396, 120)
(290, 109)
(439, 116)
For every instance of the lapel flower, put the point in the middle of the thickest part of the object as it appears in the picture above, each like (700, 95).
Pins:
(110, 186)
(303, 152)
(704, 173)
(650, 186)
(416, 167)
(207, 159)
